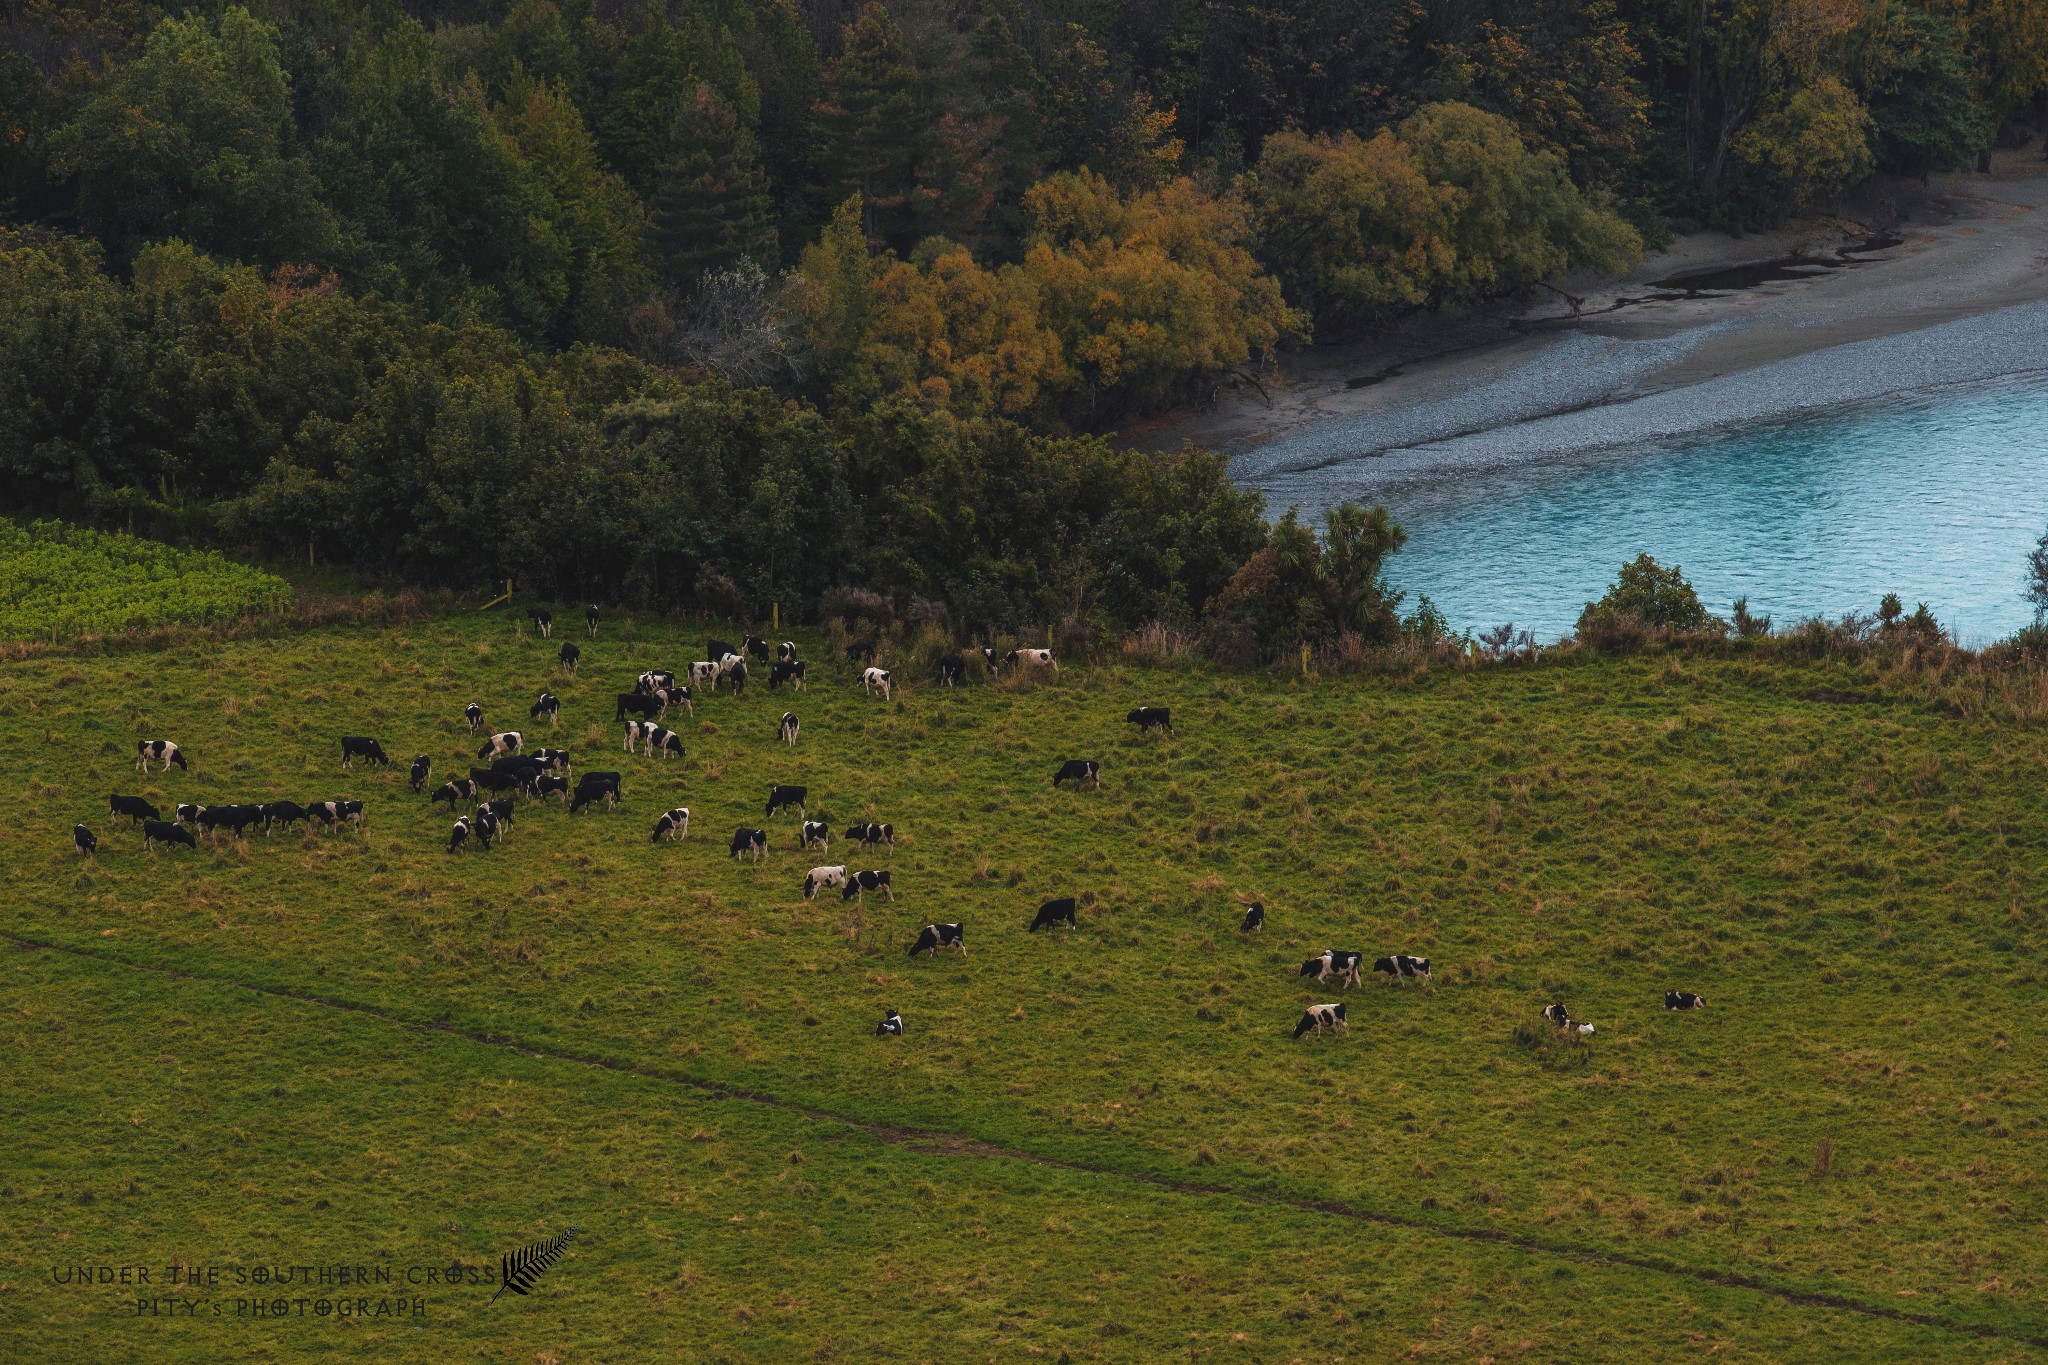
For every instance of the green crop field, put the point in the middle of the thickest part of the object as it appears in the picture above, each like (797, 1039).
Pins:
(1094, 1145)
(64, 581)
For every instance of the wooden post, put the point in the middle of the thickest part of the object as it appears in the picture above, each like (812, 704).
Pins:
(776, 608)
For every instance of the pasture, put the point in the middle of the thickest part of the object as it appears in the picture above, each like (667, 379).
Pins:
(1096, 1143)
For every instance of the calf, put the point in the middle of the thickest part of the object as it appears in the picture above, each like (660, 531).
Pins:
(1344, 966)
(1320, 1017)
(640, 704)
(590, 621)
(755, 648)
(875, 680)
(85, 841)
(859, 650)
(672, 826)
(1254, 919)
(421, 766)
(155, 832)
(1684, 1000)
(936, 936)
(786, 652)
(1037, 658)
(891, 1026)
(569, 658)
(459, 835)
(134, 807)
(789, 727)
(543, 621)
(453, 790)
(780, 796)
(354, 747)
(1400, 967)
(506, 742)
(149, 751)
(286, 813)
(474, 714)
(820, 877)
(952, 669)
(1052, 912)
(873, 835)
(754, 841)
(541, 788)
(789, 671)
(714, 650)
(816, 834)
(858, 884)
(1078, 771)
(549, 705)
(1149, 718)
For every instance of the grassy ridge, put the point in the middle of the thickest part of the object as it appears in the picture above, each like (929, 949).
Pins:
(1852, 886)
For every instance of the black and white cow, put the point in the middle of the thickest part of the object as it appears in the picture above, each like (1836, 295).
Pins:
(755, 648)
(676, 696)
(453, 790)
(84, 840)
(549, 705)
(505, 742)
(502, 812)
(187, 814)
(1035, 658)
(663, 742)
(594, 787)
(780, 796)
(1400, 967)
(716, 649)
(1052, 912)
(859, 650)
(988, 658)
(787, 731)
(554, 760)
(891, 1026)
(1149, 718)
(744, 841)
(635, 729)
(736, 674)
(655, 680)
(543, 621)
(543, 787)
(875, 680)
(1078, 771)
(421, 767)
(334, 814)
(789, 671)
(785, 653)
(673, 825)
(640, 704)
(952, 668)
(873, 834)
(156, 832)
(459, 835)
(134, 807)
(474, 714)
(1684, 1000)
(1254, 919)
(816, 834)
(569, 658)
(369, 750)
(590, 621)
(1342, 965)
(858, 884)
(819, 878)
(1316, 1018)
(148, 751)
(705, 674)
(285, 813)
(936, 936)
(1557, 1015)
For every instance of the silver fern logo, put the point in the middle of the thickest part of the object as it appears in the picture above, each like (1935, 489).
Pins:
(518, 1270)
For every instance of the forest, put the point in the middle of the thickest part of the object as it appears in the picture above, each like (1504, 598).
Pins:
(713, 304)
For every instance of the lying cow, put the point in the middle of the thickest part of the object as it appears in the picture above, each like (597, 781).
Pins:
(936, 936)
(818, 878)
(673, 825)
(1052, 912)
(354, 747)
(1557, 1015)
(745, 841)
(1150, 718)
(858, 884)
(134, 807)
(875, 680)
(1079, 771)
(891, 1026)
(1684, 1000)
(148, 751)
(1320, 1017)
(1401, 967)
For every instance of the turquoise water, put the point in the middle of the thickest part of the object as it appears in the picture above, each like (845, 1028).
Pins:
(1937, 498)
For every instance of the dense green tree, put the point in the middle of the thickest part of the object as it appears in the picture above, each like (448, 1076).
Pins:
(709, 196)
(872, 125)
(1925, 111)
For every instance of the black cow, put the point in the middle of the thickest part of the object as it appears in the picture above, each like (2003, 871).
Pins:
(505, 742)
(495, 780)
(891, 1026)
(714, 650)
(474, 714)
(453, 790)
(780, 796)
(1149, 718)
(590, 621)
(543, 787)
(755, 648)
(754, 841)
(788, 729)
(501, 812)
(1684, 1000)
(163, 831)
(543, 621)
(861, 650)
(236, 818)
(459, 835)
(519, 765)
(1400, 967)
(737, 676)
(1344, 966)
(286, 813)
(593, 787)
(673, 825)
(1254, 919)
(354, 747)
(134, 807)
(1052, 912)
(149, 751)
(952, 669)
(858, 884)
(874, 835)
(640, 704)
(421, 766)
(789, 671)
(1079, 770)
(549, 705)
(936, 936)
(85, 841)
(570, 657)
(1320, 1017)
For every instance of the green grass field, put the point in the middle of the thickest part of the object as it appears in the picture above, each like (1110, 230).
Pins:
(1102, 1144)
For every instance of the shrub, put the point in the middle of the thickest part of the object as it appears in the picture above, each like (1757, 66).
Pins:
(856, 604)
(1746, 625)
(1657, 598)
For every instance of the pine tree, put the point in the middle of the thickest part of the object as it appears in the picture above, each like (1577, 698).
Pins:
(871, 124)
(710, 199)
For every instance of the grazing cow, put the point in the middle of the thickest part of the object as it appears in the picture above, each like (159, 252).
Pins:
(501, 813)
(594, 787)
(1149, 718)
(541, 788)
(354, 747)
(453, 790)
(1254, 919)
(1344, 966)
(552, 759)
(335, 813)
(1684, 1000)
(570, 657)
(755, 648)
(737, 676)
(952, 668)
(1400, 967)
(655, 679)
(785, 653)
(494, 779)
(820, 877)
(1078, 771)
(84, 840)
(705, 675)
(474, 714)
(663, 742)
(134, 807)
(988, 658)
(484, 827)
(789, 671)
(676, 696)
(714, 650)
(505, 742)
(936, 936)
(237, 818)
(421, 766)
(188, 814)
(1052, 912)
(640, 704)
(163, 831)
(871, 834)
(789, 727)
(634, 730)
(1320, 1017)
(673, 825)
(1037, 658)
(859, 650)
(875, 680)
(549, 705)
(780, 796)
(543, 621)
(519, 765)
(162, 751)
(590, 621)
(891, 1026)
(459, 835)
(286, 813)
(754, 841)
(858, 884)
(816, 834)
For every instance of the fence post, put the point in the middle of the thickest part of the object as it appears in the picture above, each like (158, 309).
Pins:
(776, 610)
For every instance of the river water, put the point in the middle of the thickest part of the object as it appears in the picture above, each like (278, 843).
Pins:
(1938, 498)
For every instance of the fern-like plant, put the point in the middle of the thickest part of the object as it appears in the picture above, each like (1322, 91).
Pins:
(517, 1270)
